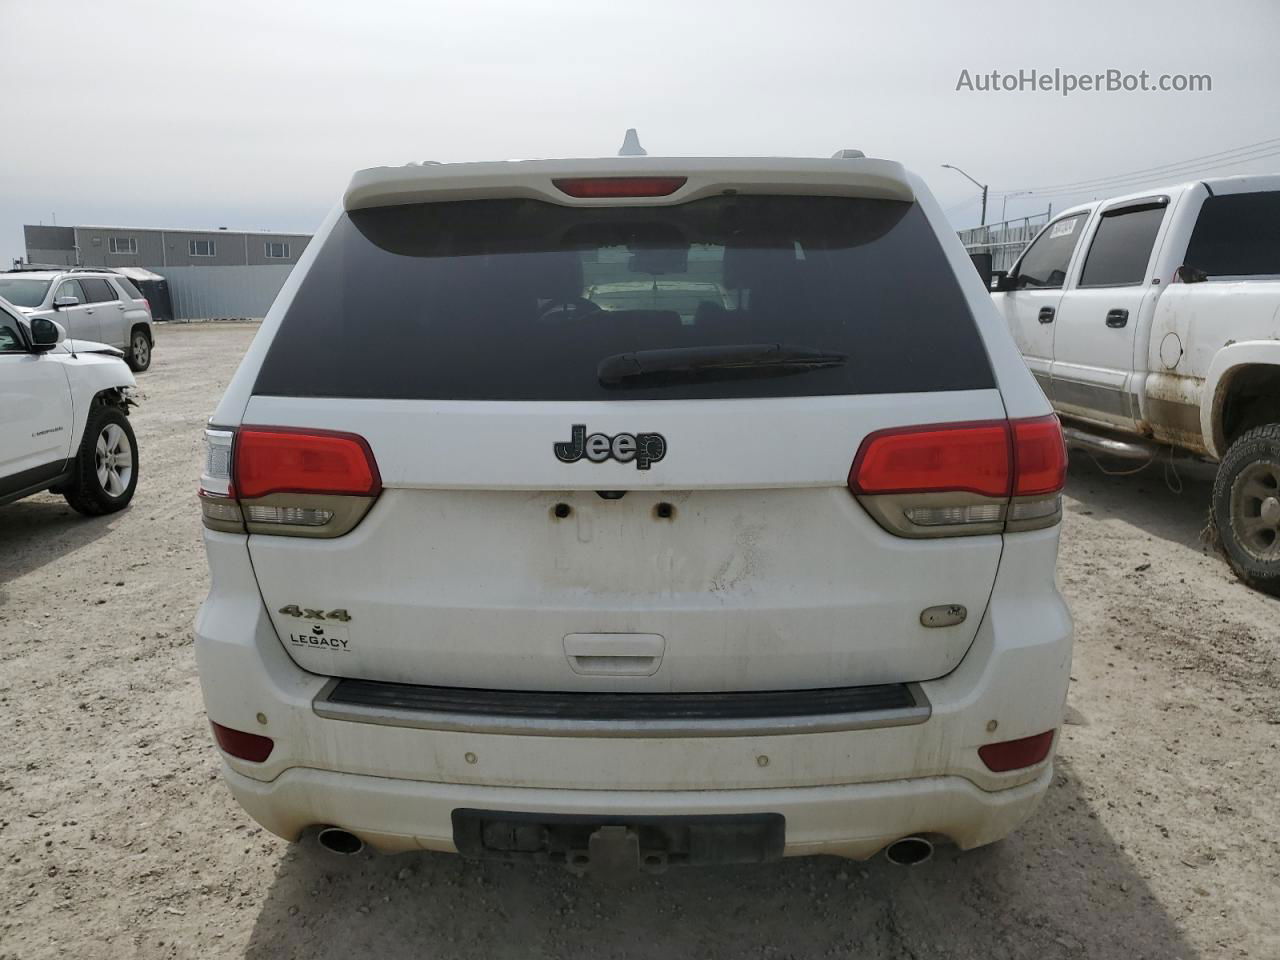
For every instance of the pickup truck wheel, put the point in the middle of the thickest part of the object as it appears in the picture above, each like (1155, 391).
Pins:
(139, 356)
(1246, 507)
(106, 467)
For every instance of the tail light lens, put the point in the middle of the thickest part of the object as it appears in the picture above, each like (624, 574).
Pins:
(1039, 455)
(972, 457)
(618, 187)
(991, 476)
(246, 746)
(292, 461)
(1016, 754)
(284, 481)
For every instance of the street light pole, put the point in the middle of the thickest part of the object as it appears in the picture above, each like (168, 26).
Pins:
(976, 184)
(1005, 204)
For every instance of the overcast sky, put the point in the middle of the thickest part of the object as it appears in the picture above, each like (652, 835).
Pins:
(254, 114)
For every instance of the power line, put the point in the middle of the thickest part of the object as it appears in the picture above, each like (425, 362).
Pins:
(1085, 184)
(1138, 180)
(963, 203)
(1190, 161)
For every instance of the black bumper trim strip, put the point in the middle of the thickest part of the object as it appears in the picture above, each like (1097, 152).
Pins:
(549, 713)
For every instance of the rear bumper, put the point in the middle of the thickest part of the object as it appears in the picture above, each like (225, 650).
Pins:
(842, 791)
(856, 820)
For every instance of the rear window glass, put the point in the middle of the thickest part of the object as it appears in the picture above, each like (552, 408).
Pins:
(1122, 246)
(127, 286)
(23, 291)
(1237, 236)
(98, 291)
(523, 300)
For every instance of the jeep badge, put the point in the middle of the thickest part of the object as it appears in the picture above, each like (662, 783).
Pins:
(643, 448)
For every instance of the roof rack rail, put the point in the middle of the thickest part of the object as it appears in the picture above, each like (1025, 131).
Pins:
(90, 269)
(36, 267)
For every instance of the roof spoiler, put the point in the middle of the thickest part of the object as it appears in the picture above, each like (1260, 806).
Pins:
(844, 175)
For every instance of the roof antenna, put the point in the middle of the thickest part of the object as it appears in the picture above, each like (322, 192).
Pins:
(631, 145)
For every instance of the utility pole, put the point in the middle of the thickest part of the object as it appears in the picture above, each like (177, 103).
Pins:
(948, 166)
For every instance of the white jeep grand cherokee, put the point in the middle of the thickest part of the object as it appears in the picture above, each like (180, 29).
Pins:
(635, 510)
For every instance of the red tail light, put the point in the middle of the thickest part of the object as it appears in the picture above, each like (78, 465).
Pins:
(613, 187)
(1016, 754)
(246, 746)
(146, 303)
(1039, 457)
(287, 482)
(971, 457)
(277, 460)
(977, 477)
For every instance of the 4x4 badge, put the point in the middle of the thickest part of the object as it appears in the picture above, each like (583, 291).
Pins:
(644, 448)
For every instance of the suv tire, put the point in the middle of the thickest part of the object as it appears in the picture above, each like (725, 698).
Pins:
(139, 353)
(106, 468)
(1246, 507)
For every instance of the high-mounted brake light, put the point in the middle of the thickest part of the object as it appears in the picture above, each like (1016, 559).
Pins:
(617, 187)
(289, 481)
(989, 476)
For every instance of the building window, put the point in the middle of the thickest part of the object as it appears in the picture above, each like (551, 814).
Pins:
(124, 245)
(203, 248)
(276, 251)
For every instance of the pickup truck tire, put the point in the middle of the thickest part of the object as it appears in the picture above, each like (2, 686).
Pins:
(106, 468)
(138, 355)
(1246, 507)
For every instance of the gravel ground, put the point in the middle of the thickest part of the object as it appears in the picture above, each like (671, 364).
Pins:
(117, 839)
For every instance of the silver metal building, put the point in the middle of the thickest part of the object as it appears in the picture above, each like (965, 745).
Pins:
(212, 273)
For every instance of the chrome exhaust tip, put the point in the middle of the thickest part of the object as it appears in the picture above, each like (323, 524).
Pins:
(909, 851)
(337, 840)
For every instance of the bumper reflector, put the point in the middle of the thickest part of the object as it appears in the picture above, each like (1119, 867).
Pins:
(245, 746)
(1016, 754)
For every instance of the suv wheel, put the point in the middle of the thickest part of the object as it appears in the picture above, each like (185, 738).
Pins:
(1246, 507)
(106, 468)
(139, 350)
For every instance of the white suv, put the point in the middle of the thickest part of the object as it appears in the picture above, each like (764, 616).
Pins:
(97, 305)
(645, 510)
(64, 422)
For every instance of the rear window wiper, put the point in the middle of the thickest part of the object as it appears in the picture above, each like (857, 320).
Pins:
(725, 360)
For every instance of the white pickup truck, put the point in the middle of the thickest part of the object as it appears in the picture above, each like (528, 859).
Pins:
(1153, 320)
